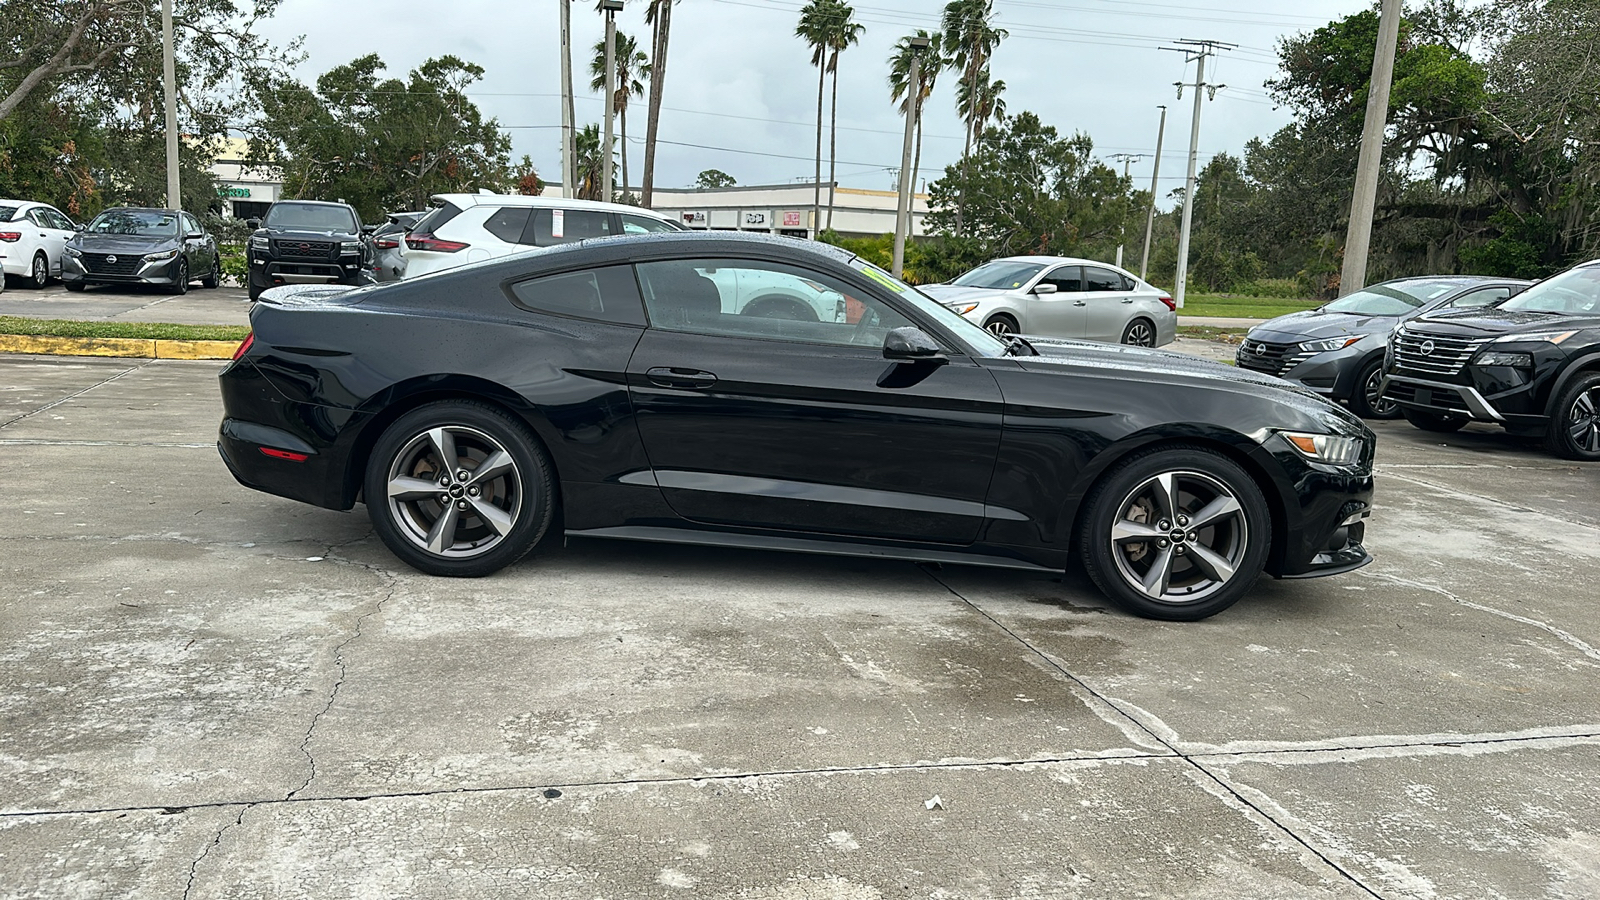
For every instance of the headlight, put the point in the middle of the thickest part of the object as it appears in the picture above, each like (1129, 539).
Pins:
(73, 252)
(961, 309)
(1329, 345)
(1335, 450)
(157, 257)
(349, 246)
(1554, 337)
(1501, 358)
(258, 242)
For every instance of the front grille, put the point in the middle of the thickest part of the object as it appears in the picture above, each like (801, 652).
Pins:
(1434, 397)
(304, 249)
(101, 263)
(1273, 359)
(1427, 354)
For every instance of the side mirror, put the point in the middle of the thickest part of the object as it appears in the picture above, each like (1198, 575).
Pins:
(368, 229)
(911, 345)
(81, 226)
(194, 236)
(252, 224)
(1044, 287)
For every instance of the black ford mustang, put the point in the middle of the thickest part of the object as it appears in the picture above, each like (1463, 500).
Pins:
(612, 388)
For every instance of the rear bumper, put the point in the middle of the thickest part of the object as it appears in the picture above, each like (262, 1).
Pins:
(294, 450)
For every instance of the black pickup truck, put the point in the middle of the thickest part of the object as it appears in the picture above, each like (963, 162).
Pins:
(308, 242)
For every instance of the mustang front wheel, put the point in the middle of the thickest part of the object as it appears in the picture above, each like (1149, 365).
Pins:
(1176, 534)
(458, 488)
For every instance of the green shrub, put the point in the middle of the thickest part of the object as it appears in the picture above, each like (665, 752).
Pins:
(1274, 288)
(235, 265)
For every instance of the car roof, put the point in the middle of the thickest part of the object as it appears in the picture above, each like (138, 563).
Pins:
(314, 203)
(1463, 280)
(1061, 260)
(465, 201)
(154, 209)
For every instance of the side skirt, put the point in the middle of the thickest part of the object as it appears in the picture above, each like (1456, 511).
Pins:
(807, 545)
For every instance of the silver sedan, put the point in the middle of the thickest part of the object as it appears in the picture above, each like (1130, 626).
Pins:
(1063, 297)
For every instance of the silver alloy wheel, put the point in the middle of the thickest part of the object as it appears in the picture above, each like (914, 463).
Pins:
(1179, 537)
(1140, 334)
(999, 327)
(1379, 404)
(454, 491)
(1583, 421)
(41, 271)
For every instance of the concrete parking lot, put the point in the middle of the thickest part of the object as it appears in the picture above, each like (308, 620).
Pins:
(200, 306)
(206, 692)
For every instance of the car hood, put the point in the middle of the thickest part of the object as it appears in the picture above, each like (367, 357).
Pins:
(1478, 322)
(950, 293)
(1315, 324)
(305, 234)
(122, 243)
(1147, 365)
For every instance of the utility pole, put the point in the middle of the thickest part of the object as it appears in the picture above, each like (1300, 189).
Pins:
(611, 8)
(169, 77)
(1198, 51)
(567, 154)
(1155, 175)
(1127, 160)
(1369, 164)
(902, 210)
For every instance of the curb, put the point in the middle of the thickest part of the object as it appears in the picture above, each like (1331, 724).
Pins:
(132, 348)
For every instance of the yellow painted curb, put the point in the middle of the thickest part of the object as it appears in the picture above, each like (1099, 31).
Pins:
(135, 348)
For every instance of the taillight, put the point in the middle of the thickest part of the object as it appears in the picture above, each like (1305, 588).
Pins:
(244, 345)
(1169, 302)
(385, 243)
(437, 245)
(290, 455)
(10, 237)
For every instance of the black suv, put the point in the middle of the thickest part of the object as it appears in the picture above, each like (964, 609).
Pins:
(1530, 363)
(308, 242)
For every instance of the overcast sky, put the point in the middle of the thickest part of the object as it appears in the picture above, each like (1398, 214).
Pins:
(741, 89)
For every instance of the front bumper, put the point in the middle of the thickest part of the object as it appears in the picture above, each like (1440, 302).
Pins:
(1332, 528)
(1332, 373)
(160, 272)
(1498, 395)
(266, 272)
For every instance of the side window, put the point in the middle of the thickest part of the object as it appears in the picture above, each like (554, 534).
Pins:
(37, 217)
(508, 223)
(1097, 279)
(61, 221)
(764, 300)
(190, 226)
(645, 225)
(1066, 279)
(1484, 297)
(606, 294)
(549, 227)
(436, 219)
(1128, 283)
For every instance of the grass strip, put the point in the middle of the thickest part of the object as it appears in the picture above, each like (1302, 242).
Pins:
(1213, 333)
(1242, 307)
(148, 331)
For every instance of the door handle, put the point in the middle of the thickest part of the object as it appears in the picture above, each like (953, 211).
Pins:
(1079, 303)
(691, 379)
(1128, 300)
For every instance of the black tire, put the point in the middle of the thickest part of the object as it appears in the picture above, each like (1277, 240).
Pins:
(1208, 567)
(255, 291)
(1365, 401)
(180, 285)
(1140, 333)
(785, 308)
(214, 277)
(1428, 421)
(76, 287)
(39, 272)
(1575, 426)
(521, 497)
(1001, 325)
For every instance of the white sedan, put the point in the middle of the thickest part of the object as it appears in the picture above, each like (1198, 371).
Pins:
(31, 238)
(1062, 297)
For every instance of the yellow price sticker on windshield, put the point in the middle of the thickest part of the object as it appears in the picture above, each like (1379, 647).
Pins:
(884, 279)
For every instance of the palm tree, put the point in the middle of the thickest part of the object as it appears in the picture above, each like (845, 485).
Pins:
(985, 103)
(816, 29)
(929, 64)
(843, 35)
(632, 65)
(659, 15)
(970, 41)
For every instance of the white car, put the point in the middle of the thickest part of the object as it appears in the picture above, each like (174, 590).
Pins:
(32, 236)
(1062, 297)
(465, 228)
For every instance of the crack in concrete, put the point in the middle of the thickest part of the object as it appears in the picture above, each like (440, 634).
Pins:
(1167, 737)
(1561, 634)
(55, 403)
(1494, 501)
(216, 841)
(45, 442)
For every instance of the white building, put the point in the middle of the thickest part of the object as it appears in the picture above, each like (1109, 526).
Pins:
(246, 191)
(781, 209)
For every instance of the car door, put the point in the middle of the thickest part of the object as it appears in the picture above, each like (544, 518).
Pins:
(1107, 305)
(194, 246)
(37, 236)
(58, 230)
(1058, 314)
(803, 426)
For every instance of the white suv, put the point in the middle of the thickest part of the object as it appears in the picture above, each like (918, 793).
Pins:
(464, 228)
(32, 236)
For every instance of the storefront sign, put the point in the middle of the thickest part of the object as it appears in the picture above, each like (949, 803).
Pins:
(233, 192)
(794, 219)
(760, 218)
(695, 218)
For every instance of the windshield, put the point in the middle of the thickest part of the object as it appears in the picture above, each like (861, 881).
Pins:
(1000, 275)
(981, 342)
(1391, 299)
(1573, 291)
(137, 222)
(311, 217)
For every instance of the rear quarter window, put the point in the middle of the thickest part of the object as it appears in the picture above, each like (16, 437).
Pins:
(508, 223)
(604, 294)
(435, 219)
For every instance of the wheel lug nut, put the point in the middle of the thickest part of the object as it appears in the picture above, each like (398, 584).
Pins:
(461, 504)
(1180, 550)
(472, 492)
(1190, 538)
(445, 499)
(1164, 525)
(1161, 545)
(1183, 520)
(461, 474)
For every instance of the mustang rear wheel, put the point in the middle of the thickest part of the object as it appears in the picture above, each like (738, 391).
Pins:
(459, 488)
(1176, 534)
